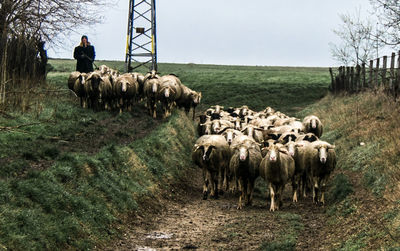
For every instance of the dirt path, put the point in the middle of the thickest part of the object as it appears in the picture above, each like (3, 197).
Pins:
(188, 222)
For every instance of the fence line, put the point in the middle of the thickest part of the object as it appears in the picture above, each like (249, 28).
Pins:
(358, 78)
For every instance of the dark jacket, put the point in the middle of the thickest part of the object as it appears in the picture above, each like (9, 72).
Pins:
(85, 57)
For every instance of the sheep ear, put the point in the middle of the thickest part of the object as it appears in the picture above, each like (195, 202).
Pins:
(331, 146)
(196, 147)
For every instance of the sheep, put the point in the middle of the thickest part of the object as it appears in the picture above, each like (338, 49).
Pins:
(106, 93)
(310, 137)
(170, 91)
(150, 90)
(243, 165)
(288, 136)
(322, 161)
(297, 150)
(126, 88)
(253, 132)
(219, 124)
(189, 99)
(212, 154)
(201, 127)
(76, 83)
(230, 134)
(313, 124)
(276, 168)
(92, 89)
(140, 80)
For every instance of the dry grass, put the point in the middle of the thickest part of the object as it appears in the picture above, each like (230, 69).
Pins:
(365, 129)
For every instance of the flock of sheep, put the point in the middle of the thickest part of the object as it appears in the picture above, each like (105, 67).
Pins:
(106, 88)
(238, 145)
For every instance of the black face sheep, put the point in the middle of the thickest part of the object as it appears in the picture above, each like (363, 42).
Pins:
(277, 168)
(322, 161)
(313, 124)
(212, 154)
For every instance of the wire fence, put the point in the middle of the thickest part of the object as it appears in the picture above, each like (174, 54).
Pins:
(378, 74)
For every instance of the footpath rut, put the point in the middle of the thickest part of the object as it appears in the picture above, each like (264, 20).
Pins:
(189, 222)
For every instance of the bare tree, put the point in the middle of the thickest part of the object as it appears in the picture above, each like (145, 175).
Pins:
(25, 25)
(358, 40)
(388, 14)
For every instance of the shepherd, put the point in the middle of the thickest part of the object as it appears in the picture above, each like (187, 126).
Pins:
(84, 54)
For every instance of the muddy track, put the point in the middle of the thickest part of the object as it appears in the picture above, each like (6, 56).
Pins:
(188, 222)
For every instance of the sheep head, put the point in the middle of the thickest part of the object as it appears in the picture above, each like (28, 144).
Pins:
(323, 151)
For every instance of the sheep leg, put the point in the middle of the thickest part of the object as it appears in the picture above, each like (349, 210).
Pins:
(315, 191)
(250, 189)
(205, 184)
(214, 185)
(280, 196)
(194, 112)
(272, 194)
(242, 194)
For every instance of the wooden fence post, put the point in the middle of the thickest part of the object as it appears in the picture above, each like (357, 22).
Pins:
(384, 82)
(371, 69)
(392, 79)
(351, 80)
(347, 81)
(397, 82)
(357, 78)
(376, 74)
(363, 76)
(333, 84)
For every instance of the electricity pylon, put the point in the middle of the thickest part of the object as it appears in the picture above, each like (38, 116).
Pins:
(141, 42)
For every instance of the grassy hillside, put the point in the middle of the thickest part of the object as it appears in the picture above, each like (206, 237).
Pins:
(70, 176)
(365, 192)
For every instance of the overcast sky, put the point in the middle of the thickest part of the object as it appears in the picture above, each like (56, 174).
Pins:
(234, 32)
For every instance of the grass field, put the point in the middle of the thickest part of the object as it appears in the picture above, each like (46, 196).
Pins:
(70, 177)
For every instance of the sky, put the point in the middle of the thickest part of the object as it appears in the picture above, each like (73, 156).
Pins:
(234, 32)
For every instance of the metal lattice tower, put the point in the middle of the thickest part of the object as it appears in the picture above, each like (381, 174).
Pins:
(141, 46)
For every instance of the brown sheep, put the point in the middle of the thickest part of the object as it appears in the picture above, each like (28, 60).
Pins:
(212, 154)
(244, 164)
(322, 161)
(150, 91)
(189, 99)
(277, 168)
(126, 89)
(92, 89)
(253, 132)
(230, 134)
(76, 83)
(170, 91)
(297, 150)
(313, 124)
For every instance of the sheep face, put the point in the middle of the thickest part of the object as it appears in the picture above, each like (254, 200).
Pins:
(243, 153)
(124, 86)
(323, 152)
(216, 126)
(229, 136)
(273, 154)
(313, 123)
(154, 87)
(196, 97)
(291, 147)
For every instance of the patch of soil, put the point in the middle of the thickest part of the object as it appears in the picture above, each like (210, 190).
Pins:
(189, 222)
